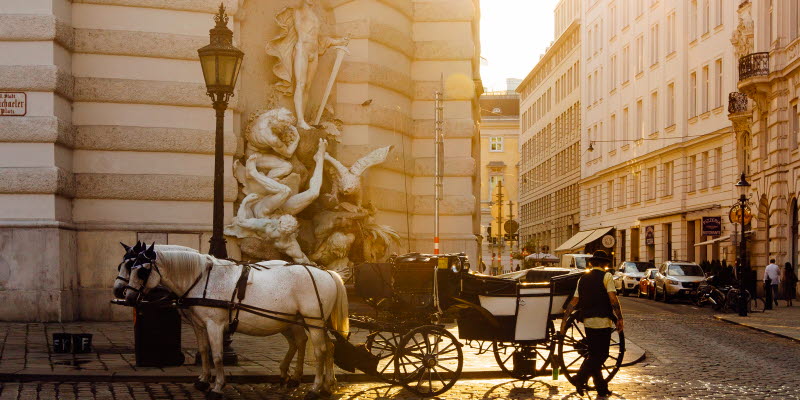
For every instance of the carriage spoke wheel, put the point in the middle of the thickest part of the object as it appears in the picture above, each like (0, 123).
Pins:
(429, 361)
(573, 349)
(506, 354)
(384, 345)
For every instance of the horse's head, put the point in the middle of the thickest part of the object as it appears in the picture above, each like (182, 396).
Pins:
(124, 267)
(144, 275)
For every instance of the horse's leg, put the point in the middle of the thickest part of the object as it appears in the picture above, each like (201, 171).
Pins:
(287, 360)
(215, 331)
(329, 385)
(202, 347)
(318, 339)
(300, 339)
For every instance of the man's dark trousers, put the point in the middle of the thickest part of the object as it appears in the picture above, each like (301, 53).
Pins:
(598, 341)
(768, 293)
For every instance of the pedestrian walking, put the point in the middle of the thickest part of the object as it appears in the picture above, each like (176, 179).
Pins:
(772, 278)
(789, 283)
(596, 299)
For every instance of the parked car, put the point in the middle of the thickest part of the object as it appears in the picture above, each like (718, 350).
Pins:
(579, 261)
(627, 277)
(647, 285)
(677, 278)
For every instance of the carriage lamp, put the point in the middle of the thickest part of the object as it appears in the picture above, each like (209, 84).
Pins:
(220, 61)
(742, 187)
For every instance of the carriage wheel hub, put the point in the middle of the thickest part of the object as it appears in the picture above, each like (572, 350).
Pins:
(430, 361)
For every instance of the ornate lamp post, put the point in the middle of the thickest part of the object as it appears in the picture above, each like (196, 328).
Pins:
(220, 61)
(742, 187)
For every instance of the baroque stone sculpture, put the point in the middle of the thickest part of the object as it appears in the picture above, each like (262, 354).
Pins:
(281, 172)
(298, 47)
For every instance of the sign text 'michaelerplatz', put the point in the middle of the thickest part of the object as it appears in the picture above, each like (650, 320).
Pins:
(13, 104)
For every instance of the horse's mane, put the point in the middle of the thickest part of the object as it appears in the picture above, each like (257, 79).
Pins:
(186, 266)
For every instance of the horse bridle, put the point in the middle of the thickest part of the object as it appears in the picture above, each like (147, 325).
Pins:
(145, 279)
(119, 269)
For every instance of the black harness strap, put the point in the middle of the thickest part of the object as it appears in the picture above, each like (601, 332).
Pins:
(238, 292)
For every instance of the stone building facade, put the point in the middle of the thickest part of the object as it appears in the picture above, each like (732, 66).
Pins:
(658, 151)
(550, 140)
(499, 163)
(767, 124)
(117, 142)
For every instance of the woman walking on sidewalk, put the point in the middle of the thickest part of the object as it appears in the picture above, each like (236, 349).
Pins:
(789, 283)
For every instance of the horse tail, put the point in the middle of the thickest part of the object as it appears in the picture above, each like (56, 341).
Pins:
(340, 320)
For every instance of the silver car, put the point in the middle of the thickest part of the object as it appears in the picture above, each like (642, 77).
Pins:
(678, 278)
(628, 275)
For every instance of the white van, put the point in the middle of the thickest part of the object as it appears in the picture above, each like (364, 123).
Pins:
(577, 261)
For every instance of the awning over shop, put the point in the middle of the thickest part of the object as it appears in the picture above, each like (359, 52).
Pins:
(712, 241)
(582, 238)
(721, 239)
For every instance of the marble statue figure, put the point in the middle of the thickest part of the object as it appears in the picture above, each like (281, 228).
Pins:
(298, 48)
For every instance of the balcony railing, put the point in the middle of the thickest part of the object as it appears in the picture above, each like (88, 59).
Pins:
(737, 102)
(754, 64)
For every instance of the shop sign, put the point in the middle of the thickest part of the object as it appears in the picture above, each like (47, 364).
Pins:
(712, 226)
(13, 104)
(650, 235)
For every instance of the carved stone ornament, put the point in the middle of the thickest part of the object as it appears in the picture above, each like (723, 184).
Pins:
(742, 37)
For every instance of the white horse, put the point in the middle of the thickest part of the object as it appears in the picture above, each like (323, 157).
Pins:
(295, 335)
(287, 290)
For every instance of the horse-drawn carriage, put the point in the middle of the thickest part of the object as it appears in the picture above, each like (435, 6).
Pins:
(412, 295)
(511, 315)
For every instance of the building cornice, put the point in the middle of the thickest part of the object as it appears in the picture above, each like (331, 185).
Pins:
(574, 26)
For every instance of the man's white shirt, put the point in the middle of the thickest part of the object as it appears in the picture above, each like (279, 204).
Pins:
(773, 273)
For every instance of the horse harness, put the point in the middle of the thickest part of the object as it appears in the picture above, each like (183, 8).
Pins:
(237, 297)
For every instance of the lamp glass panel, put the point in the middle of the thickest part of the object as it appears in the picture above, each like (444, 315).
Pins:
(209, 64)
(227, 69)
(236, 71)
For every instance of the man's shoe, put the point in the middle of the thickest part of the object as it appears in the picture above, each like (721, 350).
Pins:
(581, 389)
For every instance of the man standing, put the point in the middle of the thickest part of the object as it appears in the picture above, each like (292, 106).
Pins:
(596, 299)
(772, 278)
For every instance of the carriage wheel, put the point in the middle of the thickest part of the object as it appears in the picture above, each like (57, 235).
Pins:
(539, 353)
(384, 345)
(429, 361)
(573, 349)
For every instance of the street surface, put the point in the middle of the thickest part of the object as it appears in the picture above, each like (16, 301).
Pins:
(690, 355)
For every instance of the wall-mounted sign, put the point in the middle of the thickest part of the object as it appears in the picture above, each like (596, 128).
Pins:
(650, 235)
(13, 104)
(712, 226)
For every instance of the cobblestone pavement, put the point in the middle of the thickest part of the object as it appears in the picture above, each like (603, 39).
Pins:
(690, 355)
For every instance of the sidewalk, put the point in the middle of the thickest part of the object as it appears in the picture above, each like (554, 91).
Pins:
(780, 321)
(26, 354)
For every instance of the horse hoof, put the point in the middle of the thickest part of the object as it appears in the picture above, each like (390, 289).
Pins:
(312, 396)
(292, 383)
(214, 396)
(202, 386)
(325, 394)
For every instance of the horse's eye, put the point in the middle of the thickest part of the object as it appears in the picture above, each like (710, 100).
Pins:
(143, 273)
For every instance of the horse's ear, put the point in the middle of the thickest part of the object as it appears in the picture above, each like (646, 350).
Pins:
(151, 253)
(139, 247)
(125, 246)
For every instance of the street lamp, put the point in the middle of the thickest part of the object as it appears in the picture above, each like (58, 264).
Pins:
(742, 187)
(220, 60)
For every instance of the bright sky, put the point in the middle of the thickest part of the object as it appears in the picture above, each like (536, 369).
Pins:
(513, 35)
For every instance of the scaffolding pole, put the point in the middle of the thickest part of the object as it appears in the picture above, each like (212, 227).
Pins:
(438, 160)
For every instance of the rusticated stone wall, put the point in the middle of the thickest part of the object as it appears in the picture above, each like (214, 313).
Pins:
(118, 141)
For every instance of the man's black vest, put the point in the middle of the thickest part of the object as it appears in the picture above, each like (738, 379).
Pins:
(593, 301)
